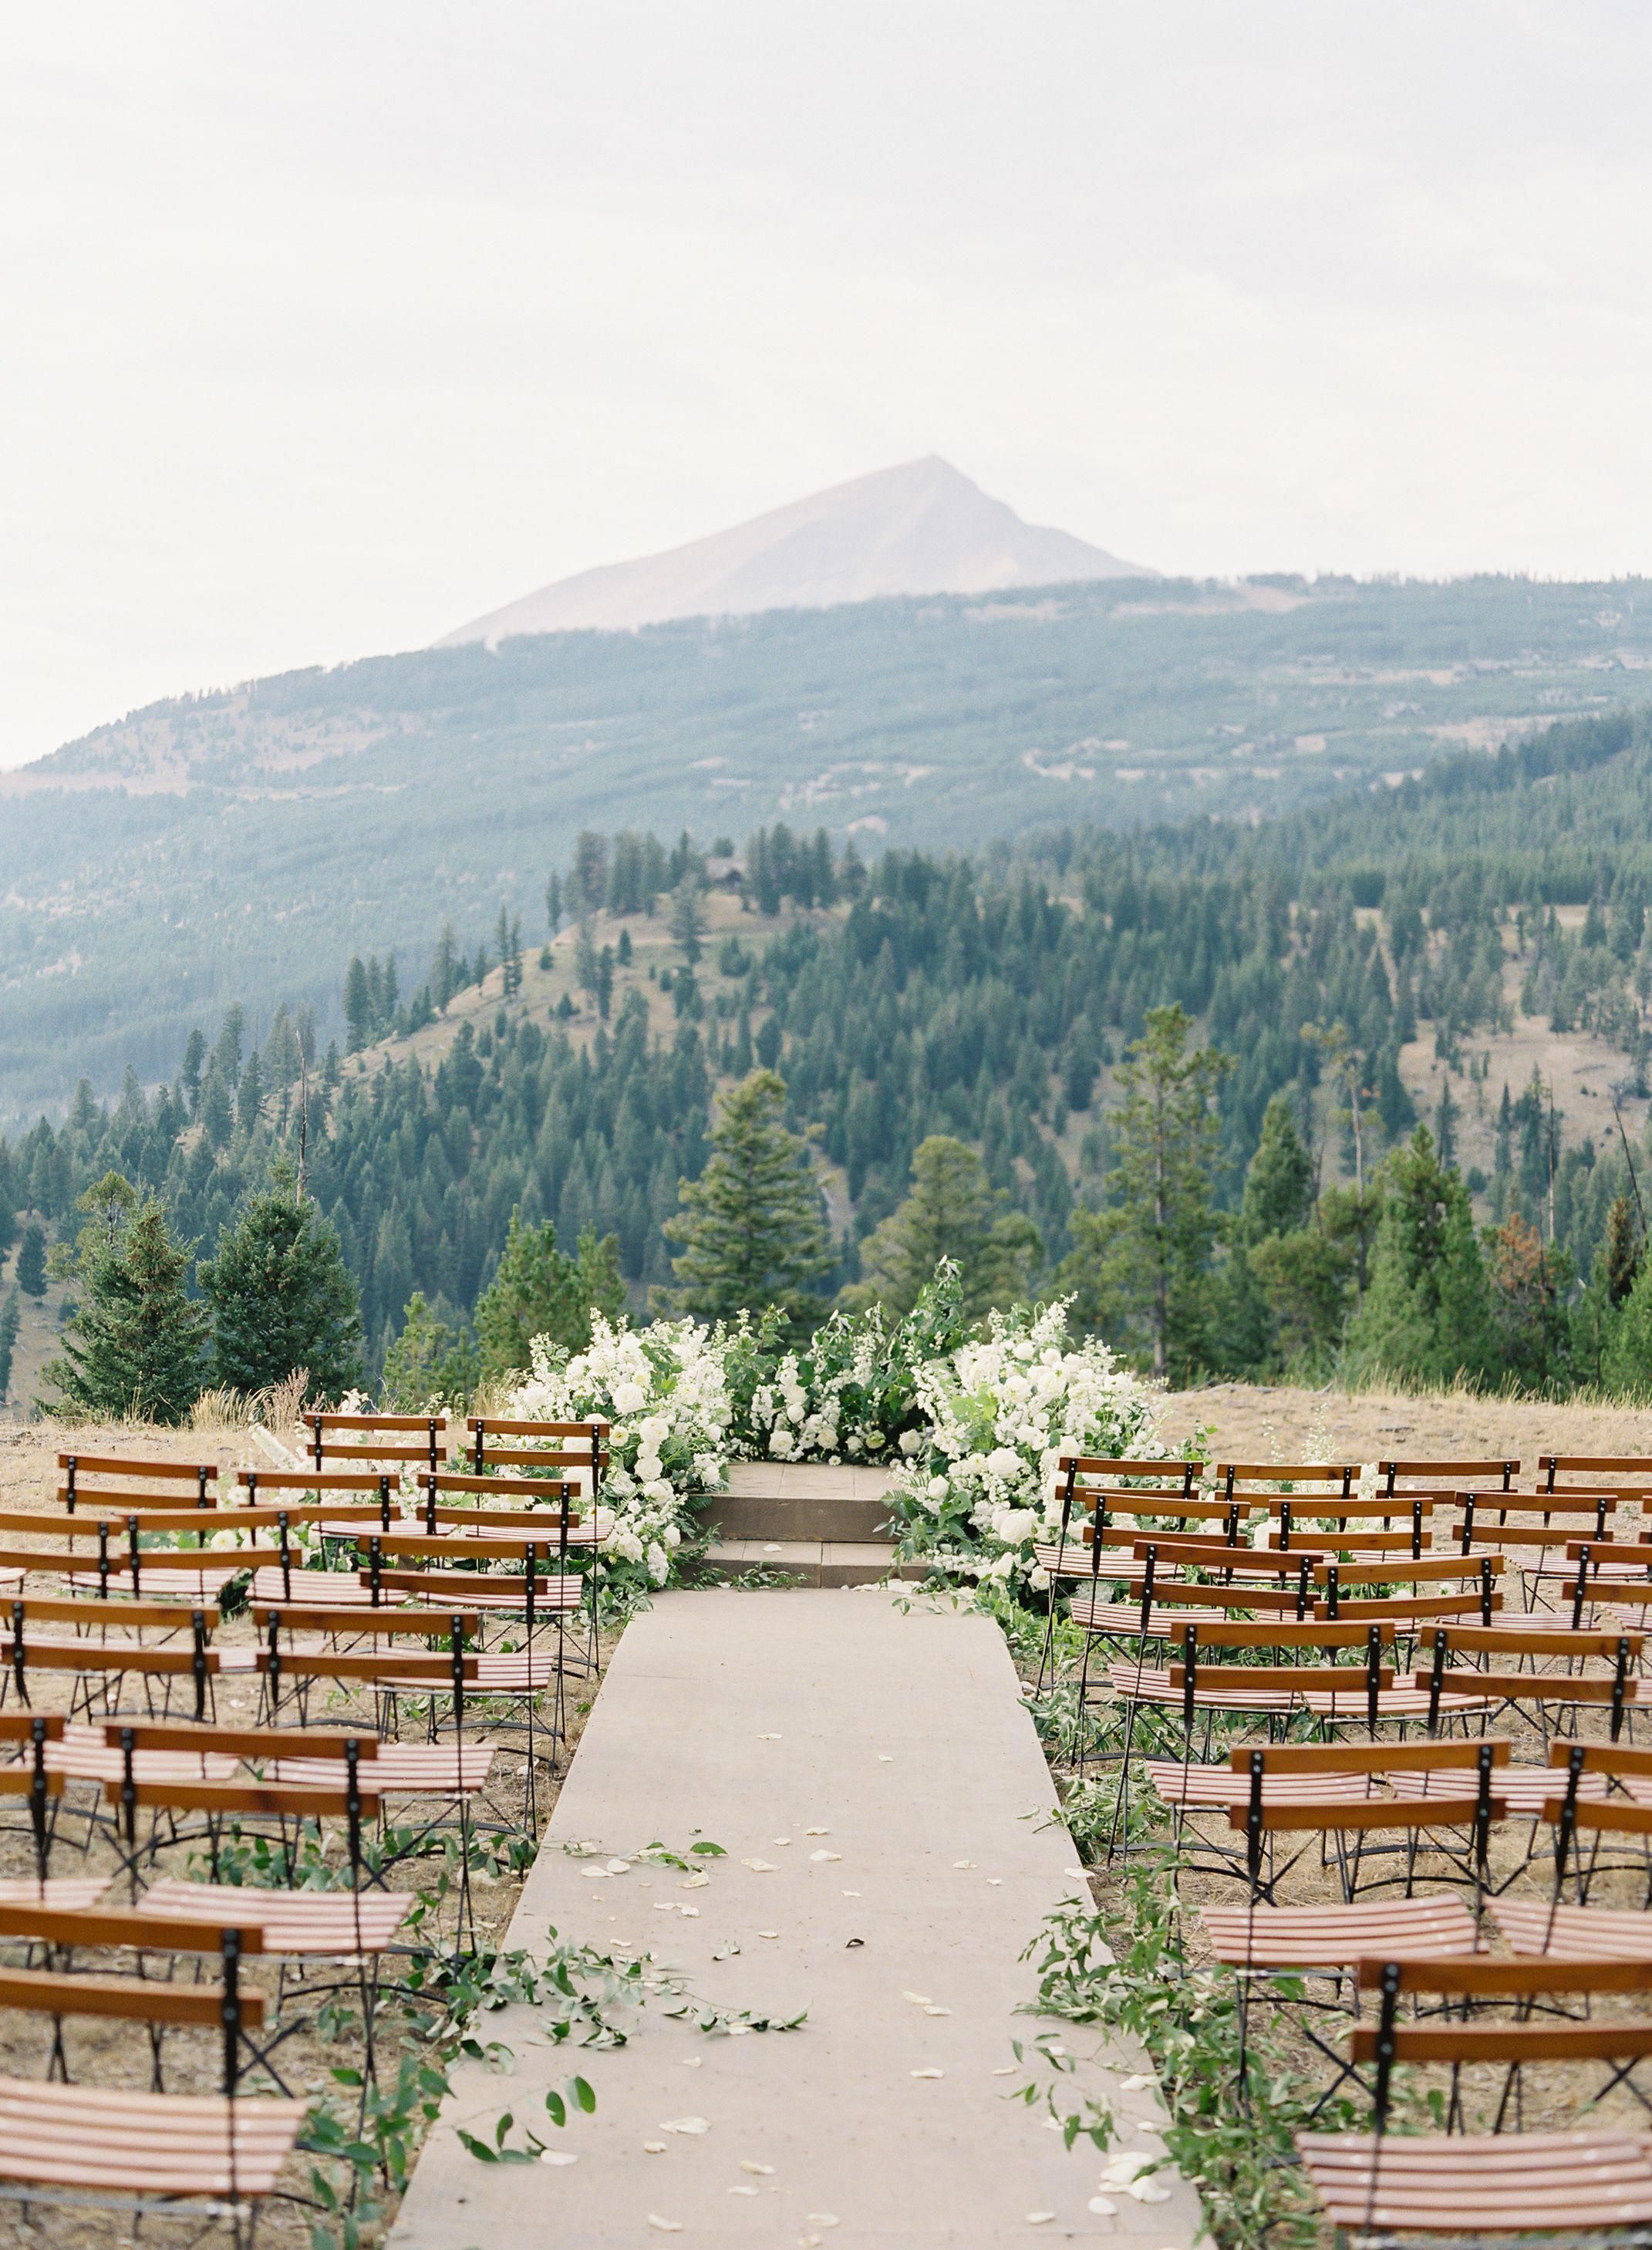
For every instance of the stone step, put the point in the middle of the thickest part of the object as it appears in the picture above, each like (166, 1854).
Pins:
(746, 1516)
(809, 1501)
(814, 1561)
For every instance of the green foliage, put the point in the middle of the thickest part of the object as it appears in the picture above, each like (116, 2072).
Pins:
(31, 1260)
(431, 1364)
(135, 1344)
(955, 1216)
(1279, 1184)
(751, 1228)
(1139, 1266)
(1234, 2102)
(1426, 1315)
(539, 1290)
(11, 1319)
(281, 1297)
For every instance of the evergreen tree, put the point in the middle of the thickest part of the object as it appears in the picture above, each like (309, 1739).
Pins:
(133, 1346)
(1625, 1247)
(1146, 1260)
(11, 1321)
(539, 1290)
(281, 1297)
(553, 904)
(1278, 1192)
(31, 1260)
(430, 1365)
(358, 1007)
(751, 1228)
(952, 1212)
(1426, 1314)
(444, 967)
(687, 923)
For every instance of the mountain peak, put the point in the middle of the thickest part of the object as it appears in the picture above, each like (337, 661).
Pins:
(920, 528)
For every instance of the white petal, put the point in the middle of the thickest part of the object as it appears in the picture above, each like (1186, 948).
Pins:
(693, 1882)
(938, 2011)
(1149, 2192)
(883, 1758)
(686, 2125)
(1134, 2085)
(918, 1999)
(929, 2074)
(768, 1933)
(817, 1831)
(693, 2061)
(1104, 2206)
(595, 1874)
(825, 1855)
(556, 2157)
(745, 2191)
(764, 2171)
(963, 1863)
(1039, 2217)
(653, 2148)
(1008, 2071)
(769, 1738)
(823, 2219)
(665, 2225)
(688, 1909)
(619, 1866)
(760, 1867)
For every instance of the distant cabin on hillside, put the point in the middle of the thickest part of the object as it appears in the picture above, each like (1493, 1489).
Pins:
(724, 872)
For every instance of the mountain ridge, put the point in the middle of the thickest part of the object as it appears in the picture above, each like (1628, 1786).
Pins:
(920, 527)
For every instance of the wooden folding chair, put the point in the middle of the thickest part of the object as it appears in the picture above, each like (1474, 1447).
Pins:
(376, 1438)
(67, 2143)
(115, 1484)
(572, 1451)
(1547, 1697)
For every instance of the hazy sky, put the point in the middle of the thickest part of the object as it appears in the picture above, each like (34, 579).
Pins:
(326, 329)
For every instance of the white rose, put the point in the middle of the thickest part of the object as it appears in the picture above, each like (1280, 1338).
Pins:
(780, 1445)
(910, 1441)
(855, 1445)
(660, 1491)
(653, 1429)
(657, 1566)
(938, 1488)
(629, 1397)
(1004, 1462)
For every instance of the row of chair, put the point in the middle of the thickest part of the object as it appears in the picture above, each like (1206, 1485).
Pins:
(1319, 1689)
(413, 1626)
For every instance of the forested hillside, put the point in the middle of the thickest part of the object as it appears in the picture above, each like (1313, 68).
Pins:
(234, 847)
(1355, 972)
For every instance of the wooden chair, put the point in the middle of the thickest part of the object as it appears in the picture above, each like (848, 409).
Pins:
(1487, 2185)
(374, 1438)
(137, 1484)
(571, 1451)
(1542, 1695)
(66, 2143)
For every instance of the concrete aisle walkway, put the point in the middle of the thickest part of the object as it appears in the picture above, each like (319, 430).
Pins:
(752, 1720)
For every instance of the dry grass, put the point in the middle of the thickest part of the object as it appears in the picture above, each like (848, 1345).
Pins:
(1252, 1422)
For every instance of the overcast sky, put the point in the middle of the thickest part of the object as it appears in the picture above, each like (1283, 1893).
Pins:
(326, 328)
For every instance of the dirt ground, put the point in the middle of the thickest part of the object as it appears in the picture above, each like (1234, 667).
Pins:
(119, 2055)
(1250, 1423)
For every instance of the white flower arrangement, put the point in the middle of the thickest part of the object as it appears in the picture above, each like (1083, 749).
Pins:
(663, 1390)
(981, 1489)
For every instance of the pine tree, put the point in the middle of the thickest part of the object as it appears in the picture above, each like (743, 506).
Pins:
(431, 1364)
(1426, 1315)
(281, 1297)
(11, 1321)
(538, 1290)
(444, 969)
(1146, 1259)
(31, 1260)
(135, 1344)
(358, 1007)
(688, 917)
(751, 1228)
(553, 904)
(1623, 1250)
(1279, 1184)
(954, 1212)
